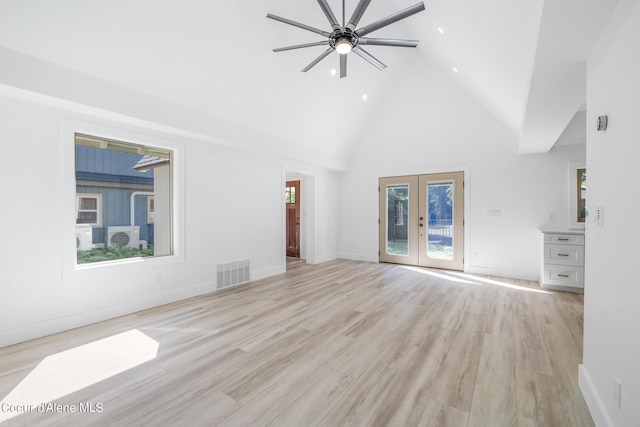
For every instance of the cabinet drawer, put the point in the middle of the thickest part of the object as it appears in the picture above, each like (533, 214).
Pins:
(564, 239)
(564, 276)
(564, 254)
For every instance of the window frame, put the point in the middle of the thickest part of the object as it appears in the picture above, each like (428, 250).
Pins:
(120, 129)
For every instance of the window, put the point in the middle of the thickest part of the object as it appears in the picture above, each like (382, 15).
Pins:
(124, 191)
(290, 195)
(577, 194)
(581, 212)
(88, 209)
(150, 209)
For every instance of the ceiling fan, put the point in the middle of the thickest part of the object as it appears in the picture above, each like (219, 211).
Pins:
(346, 38)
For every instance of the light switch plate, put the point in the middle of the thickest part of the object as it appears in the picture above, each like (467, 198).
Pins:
(598, 216)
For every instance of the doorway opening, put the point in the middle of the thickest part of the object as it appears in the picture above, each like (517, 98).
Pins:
(422, 220)
(298, 219)
(292, 201)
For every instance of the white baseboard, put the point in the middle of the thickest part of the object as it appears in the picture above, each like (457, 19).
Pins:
(52, 326)
(267, 272)
(358, 257)
(500, 272)
(325, 258)
(594, 403)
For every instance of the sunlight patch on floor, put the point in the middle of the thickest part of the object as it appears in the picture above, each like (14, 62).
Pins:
(438, 275)
(72, 370)
(459, 277)
(499, 283)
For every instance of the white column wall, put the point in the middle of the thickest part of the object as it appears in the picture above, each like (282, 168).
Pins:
(612, 281)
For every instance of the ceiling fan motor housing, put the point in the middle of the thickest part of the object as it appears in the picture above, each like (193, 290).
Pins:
(342, 35)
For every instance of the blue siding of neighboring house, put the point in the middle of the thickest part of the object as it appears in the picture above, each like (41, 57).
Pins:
(114, 170)
(109, 162)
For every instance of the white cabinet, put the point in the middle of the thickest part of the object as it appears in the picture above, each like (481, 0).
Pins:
(563, 260)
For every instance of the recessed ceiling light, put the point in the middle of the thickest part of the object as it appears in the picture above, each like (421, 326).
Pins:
(440, 30)
(333, 71)
(364, 97)
(455, 70)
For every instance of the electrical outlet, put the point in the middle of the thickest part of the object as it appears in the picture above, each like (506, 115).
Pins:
(617, 392)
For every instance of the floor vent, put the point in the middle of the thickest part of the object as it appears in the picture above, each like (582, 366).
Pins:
(232, 273)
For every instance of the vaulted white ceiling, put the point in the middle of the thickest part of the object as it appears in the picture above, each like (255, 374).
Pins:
(523, 60)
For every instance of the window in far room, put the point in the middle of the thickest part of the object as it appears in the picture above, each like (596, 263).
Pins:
(124, 200)
(581, 179)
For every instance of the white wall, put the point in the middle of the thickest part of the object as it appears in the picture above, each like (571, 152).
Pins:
(612, 281)
(430, 124)
(230, 206)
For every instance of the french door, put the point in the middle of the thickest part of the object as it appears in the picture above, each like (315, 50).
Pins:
(422, 220)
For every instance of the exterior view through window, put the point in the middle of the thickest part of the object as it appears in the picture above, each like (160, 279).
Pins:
(123, 200)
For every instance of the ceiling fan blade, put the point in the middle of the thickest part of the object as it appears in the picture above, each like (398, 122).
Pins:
(318, 59)
(343, 66)
(300, 46)
(411, 10)
(298, 24)
(387, 42)
(329, 14)
(357, 14)
(369, 58)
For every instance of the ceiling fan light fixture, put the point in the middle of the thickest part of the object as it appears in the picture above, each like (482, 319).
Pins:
(343, 46)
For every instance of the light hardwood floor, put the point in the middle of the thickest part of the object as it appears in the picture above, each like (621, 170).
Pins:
(343, 343)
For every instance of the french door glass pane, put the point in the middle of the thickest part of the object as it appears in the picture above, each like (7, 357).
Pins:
(440, 213)
(397, 219)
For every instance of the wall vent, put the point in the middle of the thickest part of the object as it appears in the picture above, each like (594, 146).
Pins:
(232, 273)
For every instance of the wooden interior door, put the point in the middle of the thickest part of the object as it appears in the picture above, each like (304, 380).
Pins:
(292, 200)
